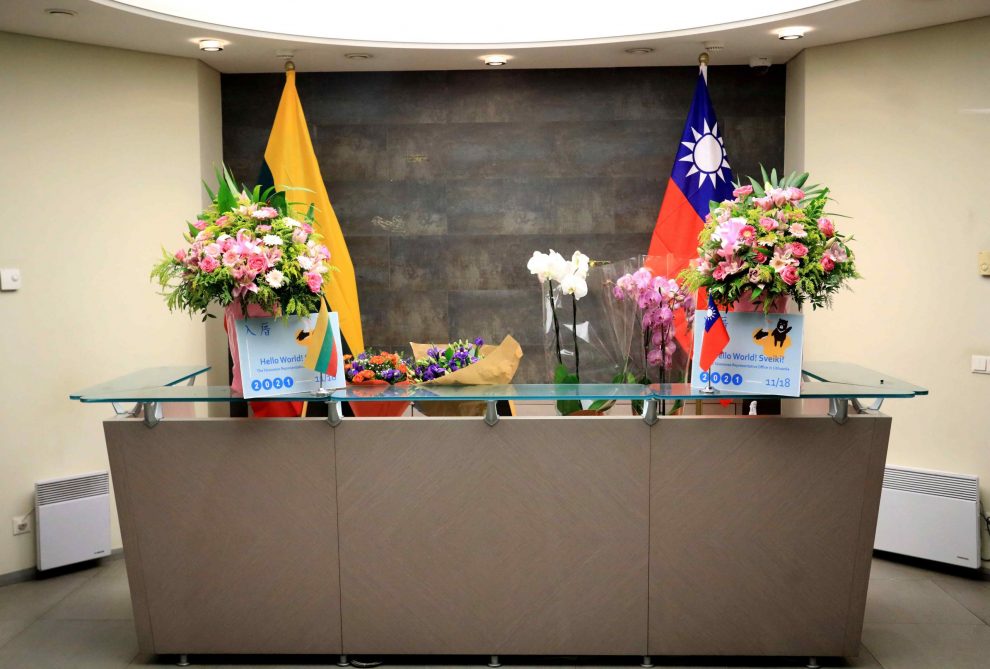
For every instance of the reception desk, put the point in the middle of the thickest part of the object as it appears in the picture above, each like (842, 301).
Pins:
(604, 535)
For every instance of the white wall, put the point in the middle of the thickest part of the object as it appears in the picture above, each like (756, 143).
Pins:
(884, 123)
(101, 156)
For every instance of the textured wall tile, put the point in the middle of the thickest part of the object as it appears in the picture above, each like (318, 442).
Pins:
(637, 202)
(533, 366)
(533, 96)
(493, 314)
(582, 205)
(418, 97)
(391, 319)
(398, 208)
(616, 148)
(351, 151)
(417, 151)
(486, 150)
(250, 99)
(344, 98)
(370, 258)
(654, 93)
(748, 139)
(499, 206)
(424, 262)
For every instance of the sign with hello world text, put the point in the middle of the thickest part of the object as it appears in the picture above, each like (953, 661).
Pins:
(763, 357)
(271, 353)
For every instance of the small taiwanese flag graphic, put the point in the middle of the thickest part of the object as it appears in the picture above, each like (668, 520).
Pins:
(716, 336)
(321, 350)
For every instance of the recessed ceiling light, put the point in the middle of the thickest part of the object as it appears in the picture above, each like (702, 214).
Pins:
(358, 56)
(496, 60)
(790, 33)
(640, 50)
(210, 45)
(65, 13)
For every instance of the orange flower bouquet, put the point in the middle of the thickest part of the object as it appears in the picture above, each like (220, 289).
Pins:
(377, 369)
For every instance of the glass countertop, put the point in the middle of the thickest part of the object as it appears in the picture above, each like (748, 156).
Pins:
(150, 377)
(827, 380)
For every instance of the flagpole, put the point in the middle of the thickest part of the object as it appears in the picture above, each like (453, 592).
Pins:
(703, 58)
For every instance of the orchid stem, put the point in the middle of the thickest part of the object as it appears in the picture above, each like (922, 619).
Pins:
(556, 324)
(577, 356)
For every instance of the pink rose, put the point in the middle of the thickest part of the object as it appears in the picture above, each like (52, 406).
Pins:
(718, 273)
(826, 226)
(222, 221)
(263, 228)
(307, 228)
(794, 194)
(760, 258)
(238, 273)
(208, 264)
(827, 263)
(212, 250)
(778, 196)
(299, 236)
(314, 281)
(765, 203)
(257, 263)
(200, 225)
(798, 250)
(180, 255)
(789, 275)
(742, 191)
(230, 257)
(768, 223)
(227, 244)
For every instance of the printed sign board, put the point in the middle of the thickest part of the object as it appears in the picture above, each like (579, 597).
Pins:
(271, 352)
(763, 356)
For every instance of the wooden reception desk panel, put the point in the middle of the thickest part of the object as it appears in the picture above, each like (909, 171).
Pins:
(526, 538)
(230, 533)
(577, 536)
(761, 534)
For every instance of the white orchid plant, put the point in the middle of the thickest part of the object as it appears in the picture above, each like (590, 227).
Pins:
(571, 276)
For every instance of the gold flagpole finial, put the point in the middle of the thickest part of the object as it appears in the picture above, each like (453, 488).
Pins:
(703, 58)
(289, 66)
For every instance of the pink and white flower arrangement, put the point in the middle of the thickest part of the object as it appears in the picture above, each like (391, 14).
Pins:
(658, 298)
(772, 241)
(245, 247)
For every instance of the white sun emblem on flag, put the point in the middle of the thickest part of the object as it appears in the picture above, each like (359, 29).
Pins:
(707, 154)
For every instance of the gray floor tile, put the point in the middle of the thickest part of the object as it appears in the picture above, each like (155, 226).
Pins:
(106, 596)
(75, 644)
(11, 628)
(28, 600)
(914, 601)
(887, 569)
(971, 593)
(929, 646)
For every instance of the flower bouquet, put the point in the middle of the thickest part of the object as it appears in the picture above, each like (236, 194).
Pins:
(463, 363)
(377, 369)
(772, 242)
(248, 255)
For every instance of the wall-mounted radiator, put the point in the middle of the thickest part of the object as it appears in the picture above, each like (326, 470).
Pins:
(930, 515)
(73, 517)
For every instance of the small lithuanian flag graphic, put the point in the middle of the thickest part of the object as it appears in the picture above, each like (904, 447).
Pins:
(320, 343)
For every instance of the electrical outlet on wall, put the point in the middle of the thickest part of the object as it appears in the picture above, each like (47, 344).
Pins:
(21, 524)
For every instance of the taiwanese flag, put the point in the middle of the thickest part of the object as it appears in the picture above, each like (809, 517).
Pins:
(716, 337)
(700, 175)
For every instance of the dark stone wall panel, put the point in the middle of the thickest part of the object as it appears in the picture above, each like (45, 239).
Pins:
(446, 182)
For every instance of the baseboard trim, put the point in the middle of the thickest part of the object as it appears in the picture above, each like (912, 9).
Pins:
(32, 573)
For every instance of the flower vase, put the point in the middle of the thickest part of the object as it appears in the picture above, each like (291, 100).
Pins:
(378, 409)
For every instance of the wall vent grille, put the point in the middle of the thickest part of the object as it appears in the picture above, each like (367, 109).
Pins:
(73, 488)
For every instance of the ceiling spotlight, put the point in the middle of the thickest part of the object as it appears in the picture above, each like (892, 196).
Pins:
(210, 45)
(65, 13)
(495, 60)
(640, 50)
(358, 56)
(790, 33)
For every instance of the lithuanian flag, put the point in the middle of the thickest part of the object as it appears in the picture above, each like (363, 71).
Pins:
(321, 349)
(290, 163)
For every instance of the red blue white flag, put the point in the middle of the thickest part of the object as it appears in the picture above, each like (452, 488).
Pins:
(716, 336)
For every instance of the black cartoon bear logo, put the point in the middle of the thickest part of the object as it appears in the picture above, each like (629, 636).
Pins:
(779, 335)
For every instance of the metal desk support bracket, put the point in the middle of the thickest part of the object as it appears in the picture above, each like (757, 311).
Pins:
(491, 416)
(152, 413)
(838, 409)
(652, 410)
(333, 413)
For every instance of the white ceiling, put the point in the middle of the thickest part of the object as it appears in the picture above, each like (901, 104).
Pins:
(107, 23)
